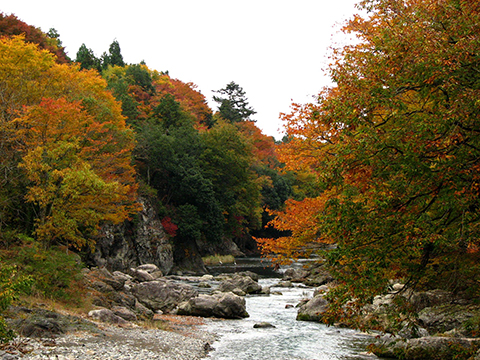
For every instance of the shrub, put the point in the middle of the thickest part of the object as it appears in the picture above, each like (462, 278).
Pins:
(11, 284)
(55, 272)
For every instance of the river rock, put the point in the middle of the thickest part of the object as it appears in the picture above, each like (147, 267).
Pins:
(424, 348)
(239, 292)
(440, 319)
(425, 299)
(108, 316)
(41, 323)
(150, 268)
(313, 309)
(263, 325)
(124, 313)
(143, 311)
(162, 294)
(102, 280)
(265, 290)
(244, 283)
(295, 275)
(220, 305)
(250, 274)
(284, 284)
(120, 276)
(141, 275)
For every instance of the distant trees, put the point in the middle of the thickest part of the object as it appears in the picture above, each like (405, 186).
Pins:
(87, 59)
(233, 104)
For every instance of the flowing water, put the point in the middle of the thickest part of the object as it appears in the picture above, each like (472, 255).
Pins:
(290, 339)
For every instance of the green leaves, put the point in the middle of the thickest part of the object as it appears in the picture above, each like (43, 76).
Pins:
(233, 105)
(11, 285)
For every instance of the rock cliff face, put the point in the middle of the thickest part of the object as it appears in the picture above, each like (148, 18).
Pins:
(139, 241)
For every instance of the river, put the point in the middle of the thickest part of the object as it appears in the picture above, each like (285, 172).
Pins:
(290, 339)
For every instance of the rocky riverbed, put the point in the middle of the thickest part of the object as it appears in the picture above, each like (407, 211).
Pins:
(131, 312)
(113, 342)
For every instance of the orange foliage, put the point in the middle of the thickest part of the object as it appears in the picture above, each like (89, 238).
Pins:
(75, 181)
(263, 145)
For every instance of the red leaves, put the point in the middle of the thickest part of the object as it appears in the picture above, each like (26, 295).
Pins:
(170, 227)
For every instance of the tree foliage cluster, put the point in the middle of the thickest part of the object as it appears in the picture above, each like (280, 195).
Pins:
(393, 148)
(79, 139)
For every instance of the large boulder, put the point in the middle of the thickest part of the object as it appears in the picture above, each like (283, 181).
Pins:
(424, 299)
(220, 305)
(102, 280)
(244, 283)
(162, 294)
(106, 315)
(313, 309)
(424, 348)
(295, 275)
(43, 323)
(444, 318)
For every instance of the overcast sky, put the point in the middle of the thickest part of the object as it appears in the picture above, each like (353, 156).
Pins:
(276, 50)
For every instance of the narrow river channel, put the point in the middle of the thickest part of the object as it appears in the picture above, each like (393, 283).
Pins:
(290, 339)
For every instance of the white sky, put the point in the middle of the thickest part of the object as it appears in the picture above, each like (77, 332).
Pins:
(276, 50)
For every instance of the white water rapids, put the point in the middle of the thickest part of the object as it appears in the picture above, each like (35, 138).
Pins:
(290, 339)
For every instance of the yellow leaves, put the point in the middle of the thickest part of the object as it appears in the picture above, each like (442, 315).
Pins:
(75, 145)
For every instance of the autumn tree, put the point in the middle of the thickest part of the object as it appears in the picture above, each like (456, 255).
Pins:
(10, 25)
(233, 103)
(65, 133)
(394, 147)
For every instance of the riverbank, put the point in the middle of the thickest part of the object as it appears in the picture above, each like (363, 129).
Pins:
(185, 341)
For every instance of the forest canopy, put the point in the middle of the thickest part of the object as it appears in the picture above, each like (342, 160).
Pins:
(83, 140)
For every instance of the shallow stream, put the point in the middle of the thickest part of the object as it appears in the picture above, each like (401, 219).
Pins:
(290, 339)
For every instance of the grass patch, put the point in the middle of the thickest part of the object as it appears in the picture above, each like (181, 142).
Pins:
(55, 272)
(218, 259)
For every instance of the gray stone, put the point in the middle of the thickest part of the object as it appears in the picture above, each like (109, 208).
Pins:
(108, 316)
(295, 275)
(263, 325)
(149, 268)
(141, 275)
(124, 313)
(424, 348)
(244, 283)
(221, 305)
(121, 247)
(313, 309)
(162, 294)
(239, 292)
(284, 284)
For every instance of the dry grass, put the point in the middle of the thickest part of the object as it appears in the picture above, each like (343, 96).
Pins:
(218, 259)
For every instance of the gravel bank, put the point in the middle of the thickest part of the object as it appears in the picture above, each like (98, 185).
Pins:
(117, 343)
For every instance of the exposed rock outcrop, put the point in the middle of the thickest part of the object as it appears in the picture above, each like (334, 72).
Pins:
(139, 241)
